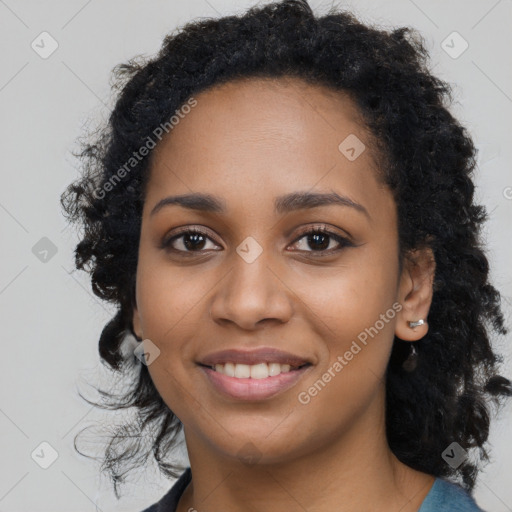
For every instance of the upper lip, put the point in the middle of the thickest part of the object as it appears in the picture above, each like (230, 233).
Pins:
(254, 356)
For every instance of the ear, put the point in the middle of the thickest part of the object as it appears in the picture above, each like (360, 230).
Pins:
(415, 293)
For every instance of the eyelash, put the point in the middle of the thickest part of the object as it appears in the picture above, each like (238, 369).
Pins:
(342, 241)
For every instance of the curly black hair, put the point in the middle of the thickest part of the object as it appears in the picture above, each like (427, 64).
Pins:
(425, 157)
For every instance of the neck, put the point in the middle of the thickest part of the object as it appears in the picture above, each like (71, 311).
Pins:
(357, 471)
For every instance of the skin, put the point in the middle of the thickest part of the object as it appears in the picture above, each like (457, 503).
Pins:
(248, 142)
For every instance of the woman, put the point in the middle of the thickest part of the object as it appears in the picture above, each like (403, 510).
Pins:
(281, 206)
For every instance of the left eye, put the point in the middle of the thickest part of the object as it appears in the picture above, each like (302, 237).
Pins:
(319, 238)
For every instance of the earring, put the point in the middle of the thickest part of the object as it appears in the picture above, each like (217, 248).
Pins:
(412, 360)
(416, 324)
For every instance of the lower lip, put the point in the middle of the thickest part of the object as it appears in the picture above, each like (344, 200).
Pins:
(253, 389)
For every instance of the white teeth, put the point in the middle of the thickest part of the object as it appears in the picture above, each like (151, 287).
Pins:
(255, 371)
(274, 369)
(229, 369)
(259, 371)
(242, 371)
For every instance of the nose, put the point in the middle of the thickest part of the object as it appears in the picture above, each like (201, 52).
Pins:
(252, 294)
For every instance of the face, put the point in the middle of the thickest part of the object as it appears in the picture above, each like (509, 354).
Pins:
(253, 277)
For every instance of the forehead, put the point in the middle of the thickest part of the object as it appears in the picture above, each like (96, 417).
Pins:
(252, 140)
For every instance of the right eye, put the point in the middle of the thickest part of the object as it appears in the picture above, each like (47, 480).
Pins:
(191, 240)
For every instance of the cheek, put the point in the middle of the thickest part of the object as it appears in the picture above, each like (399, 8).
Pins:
(350, 297)
(169, 305)
(357, 345)
(353, 314)
(168, 299)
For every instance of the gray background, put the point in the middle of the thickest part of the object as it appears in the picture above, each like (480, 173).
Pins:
(51, 321)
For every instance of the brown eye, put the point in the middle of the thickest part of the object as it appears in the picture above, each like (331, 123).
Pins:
(193, 240)
(319, 239)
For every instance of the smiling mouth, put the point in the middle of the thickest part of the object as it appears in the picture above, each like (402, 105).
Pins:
(256, 382)
(254, 371)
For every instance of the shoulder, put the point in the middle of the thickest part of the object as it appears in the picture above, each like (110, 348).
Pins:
(169, 502)
(445, 496)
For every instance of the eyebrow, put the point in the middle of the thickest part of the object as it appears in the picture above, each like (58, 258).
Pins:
(283, 204)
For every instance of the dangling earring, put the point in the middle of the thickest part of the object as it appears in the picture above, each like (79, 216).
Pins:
(412, 360)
